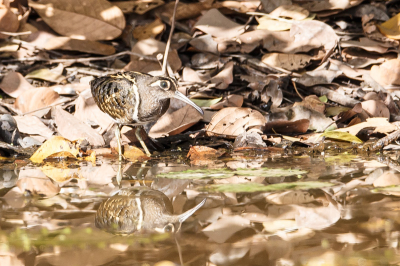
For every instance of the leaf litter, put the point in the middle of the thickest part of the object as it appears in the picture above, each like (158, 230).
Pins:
(273, 78)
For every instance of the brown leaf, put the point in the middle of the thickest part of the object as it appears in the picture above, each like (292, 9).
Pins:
(317, 217)
(14, 84)
(54, 145)
(84, 46)
(35, 99)
(230, 101)
(312, 102)
(387, 179)
(225, 227)
(388, 73)
(81, 19)
(184, 10)
(216, 24)
(59, 174)
(287, 61)
(299, 126)
(139, 7)
(38, 186)
(72, 128)
(32, 125)
(235, 120)
(8, 21)
(133, 153)
(324, 5)
(371, 122)
(290, 11)
(176, 122)
(87, 111)
(203, 152)
(224, 78)
(376, 108)
(150, 30)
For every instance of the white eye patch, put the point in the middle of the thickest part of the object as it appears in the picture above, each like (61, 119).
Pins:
(163, 84)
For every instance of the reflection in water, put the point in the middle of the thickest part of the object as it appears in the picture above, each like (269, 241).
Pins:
(139, 209)
(48, 212)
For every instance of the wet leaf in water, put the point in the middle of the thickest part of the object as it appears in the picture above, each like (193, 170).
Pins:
(54, 145)
(341, 136)
(255, 187)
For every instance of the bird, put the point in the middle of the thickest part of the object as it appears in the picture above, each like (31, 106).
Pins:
(140, 209)
(134, 98)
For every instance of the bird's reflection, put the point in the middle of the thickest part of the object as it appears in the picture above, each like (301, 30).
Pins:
(140, 209)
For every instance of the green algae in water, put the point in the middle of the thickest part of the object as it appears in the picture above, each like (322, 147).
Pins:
(226, 173)
(256, 187)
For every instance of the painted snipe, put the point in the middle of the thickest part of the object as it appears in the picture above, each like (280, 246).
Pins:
(133, 98)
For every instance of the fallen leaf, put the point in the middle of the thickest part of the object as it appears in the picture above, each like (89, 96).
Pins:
(376, 108)
(139, 7)
(206, 102)
(35, 99)
(232, 100)
(32, 125)
(312, 102)
(323, 5)
(8, 21)
(317, 218)
(290, 197)
(71, 128)
(38, 186)
(224, 77)
(225, 227)
(290, 11)
(371, 122)
(59, 174)
(84, 46)
(341, 136)
(176, 122)
(133, 153)
(14, 84)
(235, 120)
(54, 145)
(150, 30)
(46, 74)
(390, 28)
(81, 19)
(388, 178)
(216, 24)
(287, 61)
(269, 23)
(387, 73)
(298, 126)
(203, 152)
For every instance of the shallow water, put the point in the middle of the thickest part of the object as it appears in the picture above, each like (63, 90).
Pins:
(275, 208)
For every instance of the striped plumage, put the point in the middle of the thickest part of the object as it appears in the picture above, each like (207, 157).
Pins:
(133, 98)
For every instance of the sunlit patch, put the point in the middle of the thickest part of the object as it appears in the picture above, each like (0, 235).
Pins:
(49, 10)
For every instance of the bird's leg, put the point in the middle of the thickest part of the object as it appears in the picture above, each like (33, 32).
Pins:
(139, 137)
(118, 136)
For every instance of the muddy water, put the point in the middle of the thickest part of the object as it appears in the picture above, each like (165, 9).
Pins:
(261, 209)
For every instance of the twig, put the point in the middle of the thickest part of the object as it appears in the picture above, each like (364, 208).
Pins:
(15, 33)
(80, 60)
(164, 67)
(295, 88)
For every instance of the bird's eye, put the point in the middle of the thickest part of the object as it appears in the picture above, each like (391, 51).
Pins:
(169, 228)
(164, 84)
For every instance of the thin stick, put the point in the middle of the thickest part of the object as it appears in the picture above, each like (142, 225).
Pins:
(164, 67)
(295, 88)
(78, 60)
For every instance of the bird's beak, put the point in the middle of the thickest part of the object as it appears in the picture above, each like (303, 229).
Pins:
(185, 99)
(190, 212)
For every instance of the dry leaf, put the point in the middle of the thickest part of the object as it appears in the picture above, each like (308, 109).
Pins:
(387, 73)
(87, 111)
(176, 122)
(317, 217)
(184, 10)
(81, 19)
(8, 21)
(287, 61)
(225, 227)
(203, 152)
(237, 6)
(323, 5)
(14, 84)
(84, 46)
(35, 99)
(38, 186)
(290, 11)
(224, 77)
(52, 75)
(216, 24)
(229, 101)
(312, 102)
(60, 174)
(33, 125)
(72, 128)
(388, 178)
(371, 122)
(298, 126)
(54, 145)
(390, 28)
(376, 108)
(150, 30)
(133, 153)
(138, 6)
(234, 120)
